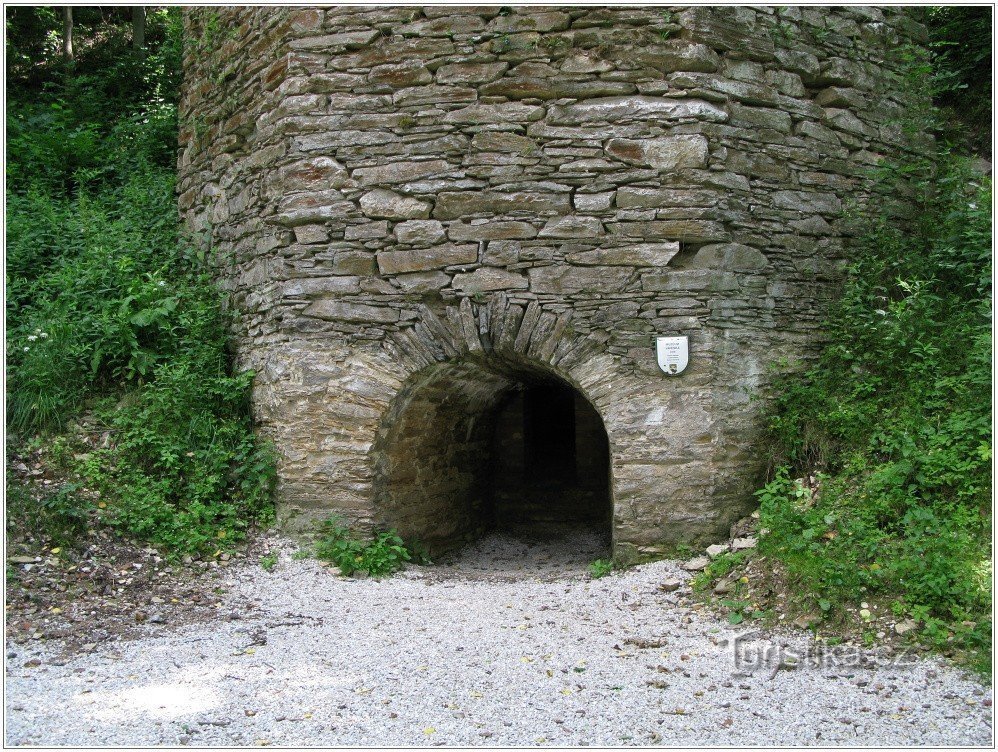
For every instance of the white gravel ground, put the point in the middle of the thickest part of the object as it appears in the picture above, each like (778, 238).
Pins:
(510, 645)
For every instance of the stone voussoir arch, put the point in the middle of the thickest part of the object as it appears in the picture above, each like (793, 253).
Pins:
(459, 367)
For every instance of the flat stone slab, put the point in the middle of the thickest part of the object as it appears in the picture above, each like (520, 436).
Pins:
(696, 564)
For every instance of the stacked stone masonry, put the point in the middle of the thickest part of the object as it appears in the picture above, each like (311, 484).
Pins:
(417, 210)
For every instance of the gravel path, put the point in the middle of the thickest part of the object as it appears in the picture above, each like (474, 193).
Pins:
(511, 644)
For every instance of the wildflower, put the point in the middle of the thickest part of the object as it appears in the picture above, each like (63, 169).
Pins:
(44, 335)
(26, 349)
(32, 337)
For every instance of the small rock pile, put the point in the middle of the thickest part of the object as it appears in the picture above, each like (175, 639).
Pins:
(740, 539)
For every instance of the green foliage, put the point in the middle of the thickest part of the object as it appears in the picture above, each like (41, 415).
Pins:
(107, 309)
(738, 606)
(383, 555)
(960, 38)
(59, 517)
(667, 19)
(420, 553)
(897, 414)
(186, 471)
(719, 567)
(600, 568)
(268, 562)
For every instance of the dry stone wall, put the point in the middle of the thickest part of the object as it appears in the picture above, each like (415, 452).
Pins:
(416, 209)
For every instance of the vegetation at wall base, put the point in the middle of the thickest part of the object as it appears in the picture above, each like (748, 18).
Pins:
(114, 325)
(383, 555)
(880, 494)
(600, 568)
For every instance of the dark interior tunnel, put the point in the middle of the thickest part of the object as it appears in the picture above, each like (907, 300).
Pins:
(477, 446)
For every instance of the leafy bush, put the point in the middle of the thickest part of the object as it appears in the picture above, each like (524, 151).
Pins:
(600, 568)
(897, 416)
(59, 517)
(961, 40)
(384, 555)
(107, 309)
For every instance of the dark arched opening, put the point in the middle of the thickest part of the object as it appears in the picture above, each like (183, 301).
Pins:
(549, 460)
(477, 445)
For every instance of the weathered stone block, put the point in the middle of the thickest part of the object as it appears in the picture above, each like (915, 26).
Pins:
(400, 75)
(380, 204)
(504, 141)
(422, 282)
(307, 234)
(397, 262)
(489, 279)
(338, 310)
(593, 202)
(349, 40)
(585, 63)
(690, 281)
(423, 95)
(311, 208)
(733, 256)
(501, 253)
(358, 263)
(401, 172)
(567, 280)
(666, 153)
(491, 230)
(456, 205)
(520, 21)
(761, 117)
(513, 112)
(314, 174)
(645, 198)
(800, 62)
(729, 28)
(572, 227)
(685, 230)
(447, 26)
(624, 109)
(470, 73)
(677, 55)
(366, 231)
(420, 232)
(640, 254)
(807, 202)
(547, 88)
(311, 287)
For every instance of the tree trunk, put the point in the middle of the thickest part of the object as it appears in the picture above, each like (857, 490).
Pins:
(139, 29)
(67, 33)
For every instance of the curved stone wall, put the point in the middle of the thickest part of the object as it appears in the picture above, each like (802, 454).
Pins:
(474, 196)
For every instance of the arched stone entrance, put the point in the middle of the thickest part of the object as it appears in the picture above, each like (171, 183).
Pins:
(484, 443)
(529, 199)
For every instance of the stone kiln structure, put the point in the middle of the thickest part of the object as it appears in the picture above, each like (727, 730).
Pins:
(453, 234)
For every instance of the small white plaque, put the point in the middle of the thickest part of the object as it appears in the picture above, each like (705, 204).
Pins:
(673, 354)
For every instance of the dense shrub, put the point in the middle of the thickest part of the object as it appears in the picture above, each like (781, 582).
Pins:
(896, 416)
(894, 419)
(961, 38)
(383, 555)
(108, 310)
